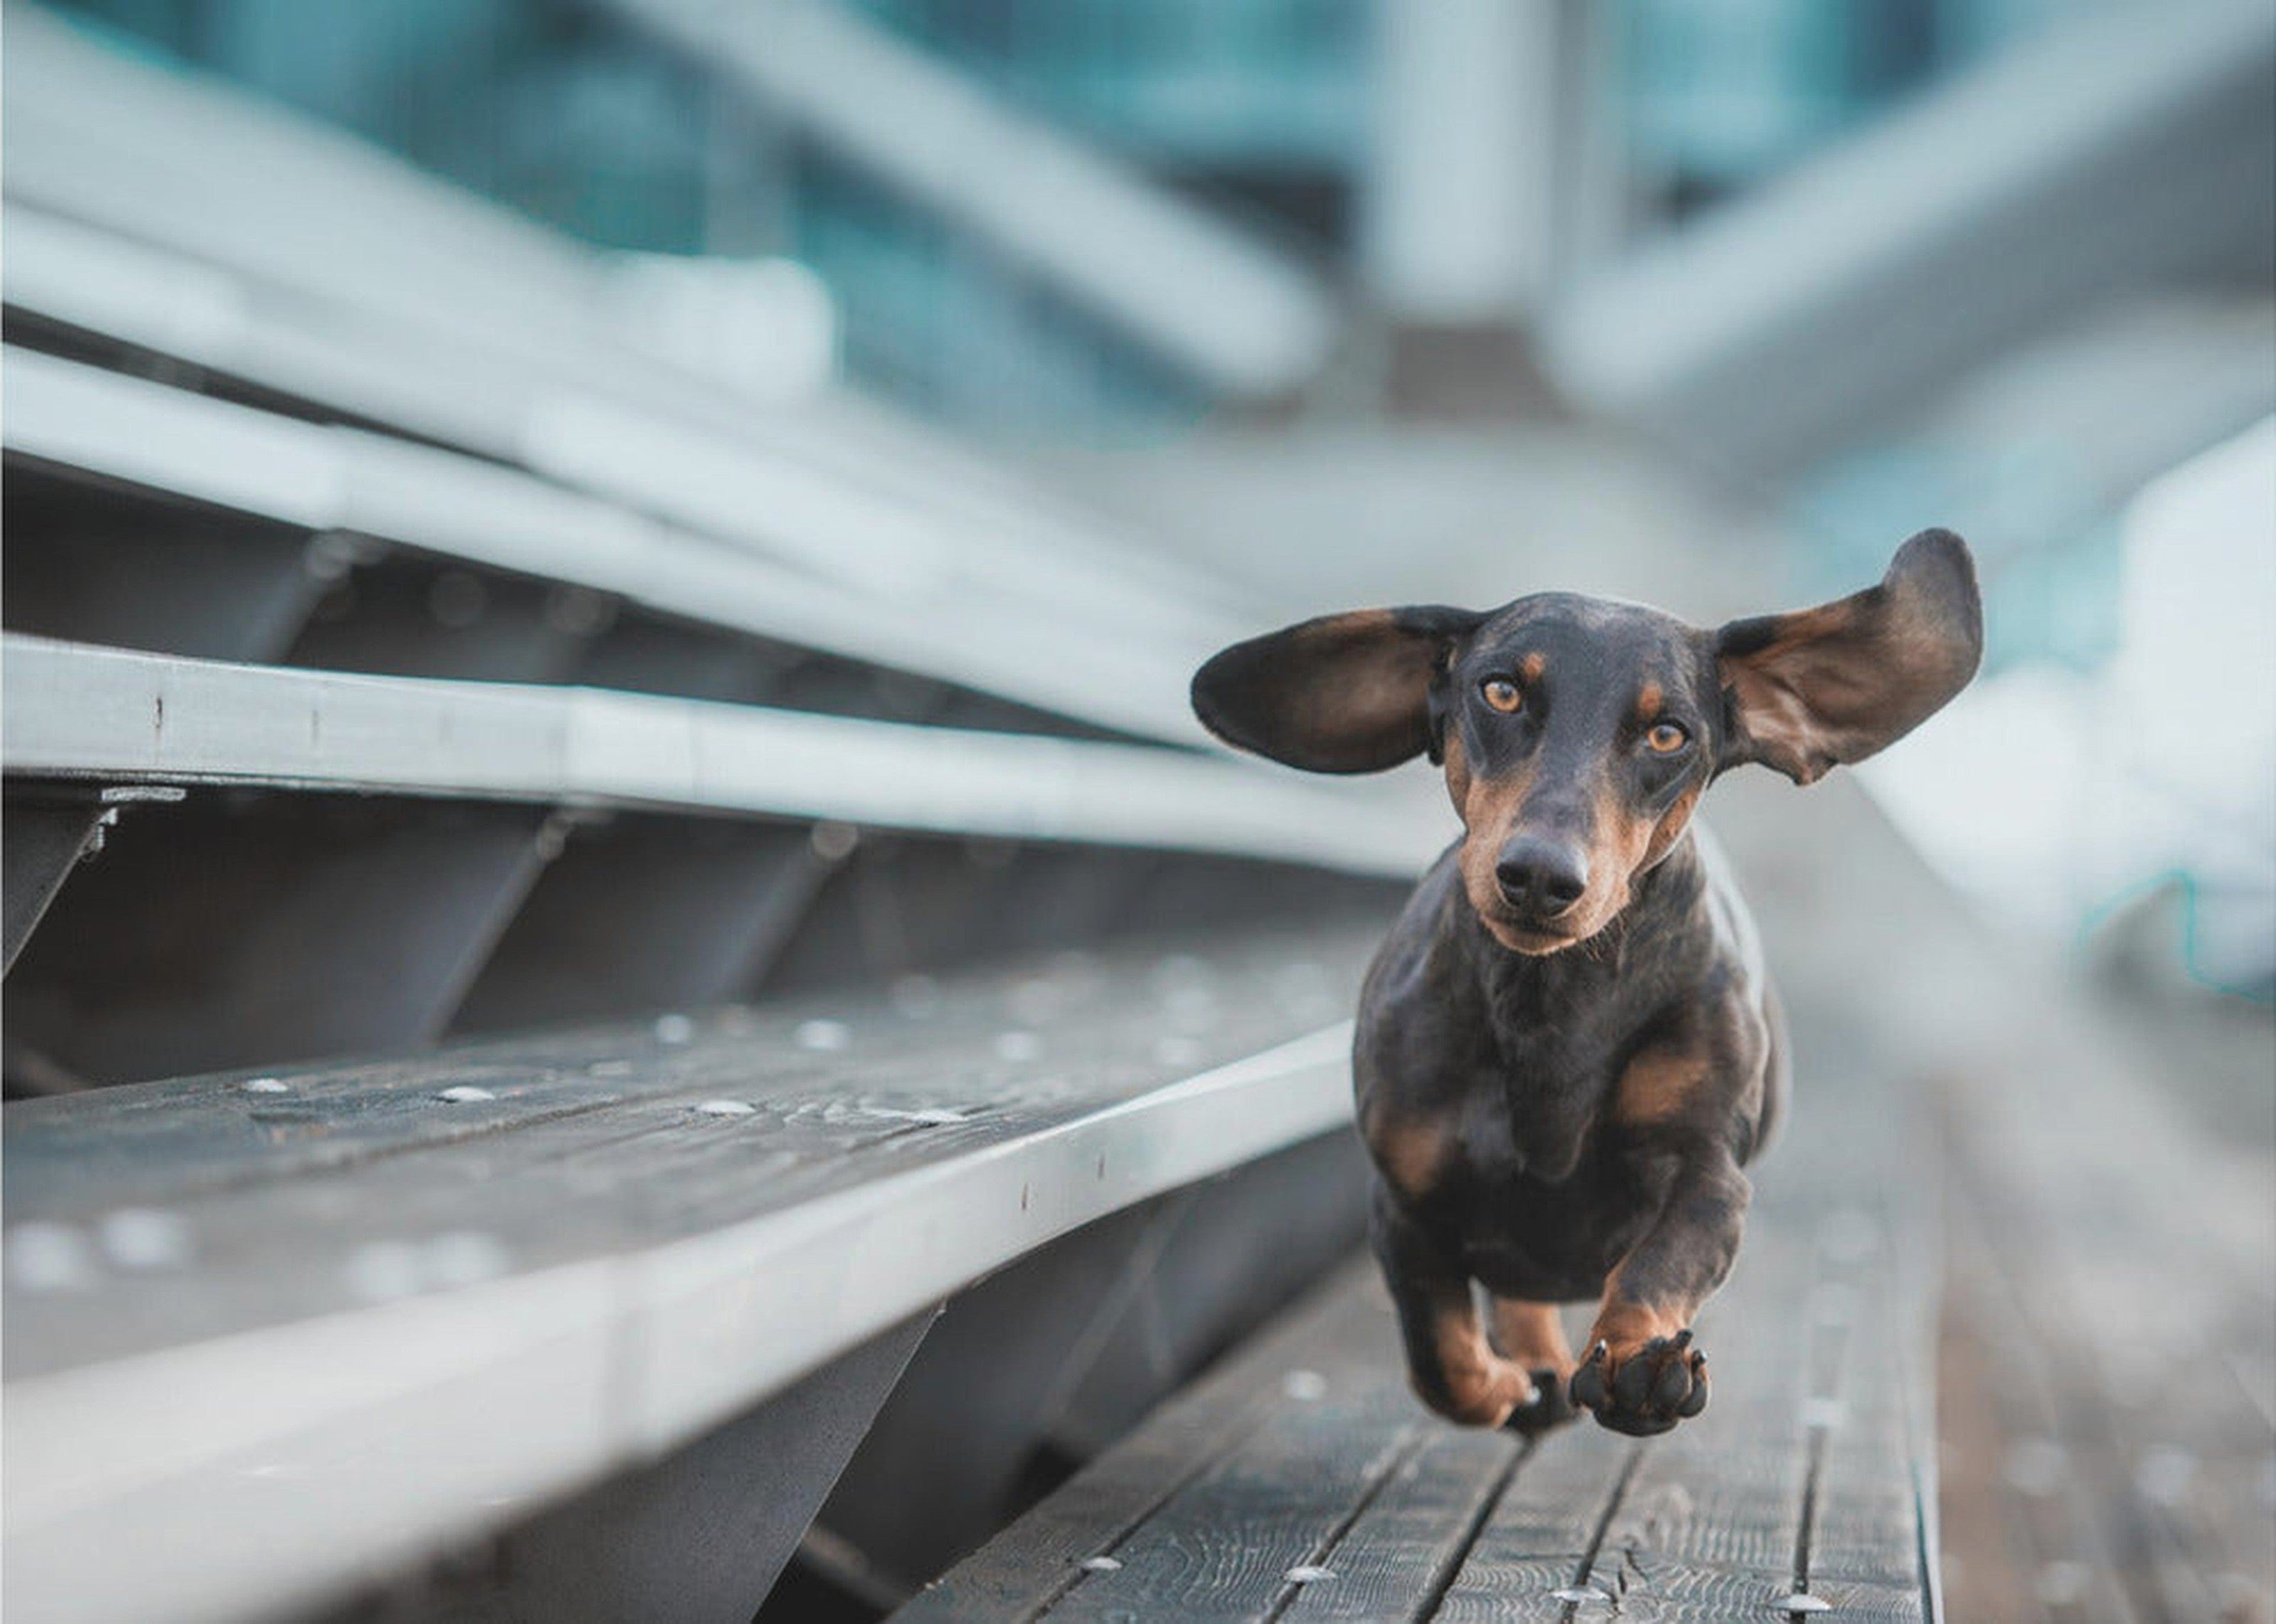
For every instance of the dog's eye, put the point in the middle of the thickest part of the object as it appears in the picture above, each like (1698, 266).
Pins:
(1501, 693)
(1667, 739)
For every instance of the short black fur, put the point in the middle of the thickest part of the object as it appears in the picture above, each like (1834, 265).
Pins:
(1567, 1048)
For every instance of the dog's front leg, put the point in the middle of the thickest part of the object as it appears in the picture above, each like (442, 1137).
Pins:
(1455, 1370)
(1532, 1335)
(1643, 1373)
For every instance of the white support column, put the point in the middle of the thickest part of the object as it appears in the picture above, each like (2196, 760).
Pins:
(1462, 193)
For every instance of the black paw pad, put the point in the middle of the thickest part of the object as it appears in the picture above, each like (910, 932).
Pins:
(1646, 1392)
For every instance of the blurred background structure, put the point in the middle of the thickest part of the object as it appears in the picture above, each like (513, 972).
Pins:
(2002, 264)
(984, 363)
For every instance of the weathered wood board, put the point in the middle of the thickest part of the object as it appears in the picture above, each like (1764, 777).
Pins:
(260, 1201)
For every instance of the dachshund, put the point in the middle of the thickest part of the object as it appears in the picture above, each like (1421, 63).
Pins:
(1567, 1051)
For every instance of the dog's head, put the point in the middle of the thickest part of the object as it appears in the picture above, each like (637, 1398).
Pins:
(1577, 733)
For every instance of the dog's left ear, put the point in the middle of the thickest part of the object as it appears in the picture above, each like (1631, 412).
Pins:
(1343, 694)
(1817, 687)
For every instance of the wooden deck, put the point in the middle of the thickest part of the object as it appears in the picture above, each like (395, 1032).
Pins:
(2001, 1345)
(2107, 1373)
(372, 1309)
(1302, 1481)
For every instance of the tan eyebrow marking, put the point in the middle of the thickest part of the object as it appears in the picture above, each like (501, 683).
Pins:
(1649, 702)
(1530, 667)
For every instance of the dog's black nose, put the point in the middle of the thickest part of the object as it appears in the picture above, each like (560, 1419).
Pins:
(1540, 877)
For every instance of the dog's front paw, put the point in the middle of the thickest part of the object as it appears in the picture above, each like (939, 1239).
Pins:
(1551, 1405)
(1644, 1389)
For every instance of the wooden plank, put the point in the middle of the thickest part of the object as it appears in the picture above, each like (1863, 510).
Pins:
(580, 1145)
(1038, 1559)
(1728, 1595)
(1104, 1011)
(256, 1467)
(1236, 1544)
(2119, 1247)
(1802, 1474)
(1992, 1553)
(1540, 1545)
(224, 1308)
(1594, 1512)
(1397, 1557)
(1689, 1526)
(2102, 1244)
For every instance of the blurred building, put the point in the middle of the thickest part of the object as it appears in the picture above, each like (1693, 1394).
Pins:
(2001, 264)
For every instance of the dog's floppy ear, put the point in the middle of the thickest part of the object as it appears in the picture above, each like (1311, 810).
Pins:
(1805, 690)
(1343, 694)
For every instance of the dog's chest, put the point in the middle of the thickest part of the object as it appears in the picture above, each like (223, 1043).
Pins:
(1544, 1092)
(1543, 1202)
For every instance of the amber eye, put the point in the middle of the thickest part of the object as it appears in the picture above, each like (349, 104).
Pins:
(1501, 693)
(1667, 739)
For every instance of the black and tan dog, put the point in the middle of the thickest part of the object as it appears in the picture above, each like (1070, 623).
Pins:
(1567, 1049)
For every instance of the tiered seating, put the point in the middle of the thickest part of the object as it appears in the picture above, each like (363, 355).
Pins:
(397, 654)
(271, 1329)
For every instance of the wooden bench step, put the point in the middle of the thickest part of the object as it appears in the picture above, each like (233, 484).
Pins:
(76, 712)
(435, 1289)
(327, 478)
(423, 855)
(404, 304)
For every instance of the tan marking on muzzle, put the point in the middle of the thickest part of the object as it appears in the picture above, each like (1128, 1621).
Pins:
(1490, 809)
(1621, 846)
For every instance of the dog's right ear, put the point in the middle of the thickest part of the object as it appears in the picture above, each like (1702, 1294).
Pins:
(1343, 694)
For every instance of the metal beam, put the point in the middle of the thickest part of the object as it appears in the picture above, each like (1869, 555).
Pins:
(351, 927)
(641, 914)
(47, 830)
(699, 1536)
(2132, 145)
(50, 829)
(1196, 288)
(91, 563)
(73, 711)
